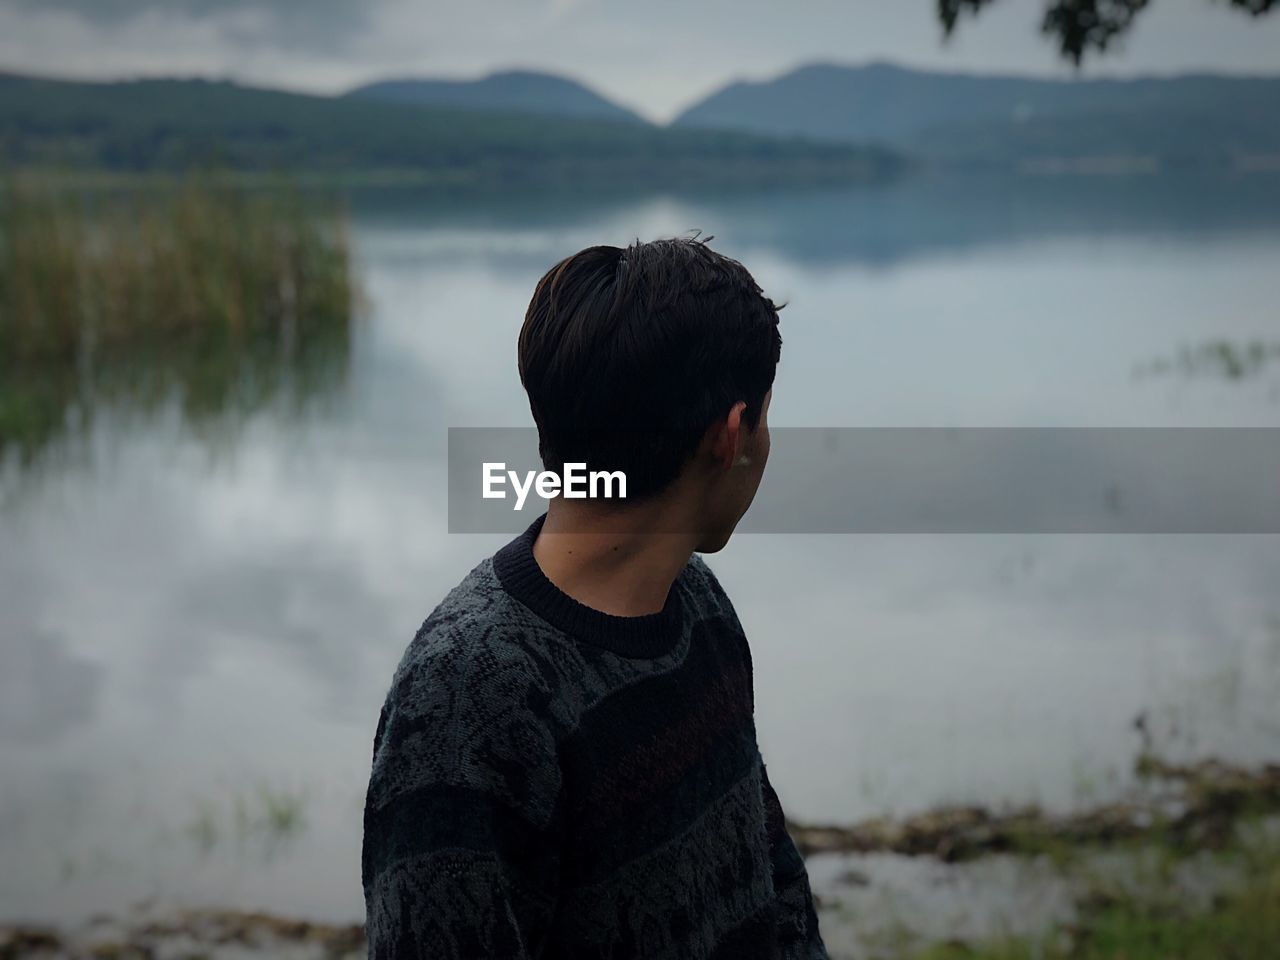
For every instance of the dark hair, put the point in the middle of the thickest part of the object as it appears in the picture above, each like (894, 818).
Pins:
(629, 355)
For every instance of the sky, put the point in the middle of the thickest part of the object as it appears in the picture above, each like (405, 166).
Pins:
(656, 57)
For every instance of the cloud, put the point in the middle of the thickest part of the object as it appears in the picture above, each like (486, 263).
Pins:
(308, 24)
(562, 7)
(112, 11)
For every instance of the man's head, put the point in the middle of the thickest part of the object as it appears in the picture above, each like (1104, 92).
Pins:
(657, 360)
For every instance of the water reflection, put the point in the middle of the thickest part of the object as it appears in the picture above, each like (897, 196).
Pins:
(45, 690)
(214, 383)
(193, 648)
(880, 226)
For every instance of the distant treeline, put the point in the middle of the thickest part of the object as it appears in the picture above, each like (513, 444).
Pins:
(169, 125)
(822, 124)
(993, 122)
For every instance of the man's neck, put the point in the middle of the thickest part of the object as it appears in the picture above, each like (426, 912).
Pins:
(613, 563)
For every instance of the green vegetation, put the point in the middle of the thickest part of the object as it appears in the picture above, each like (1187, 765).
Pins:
(1166, 905)
(510, 90)
(219, 297)
(265, 820)
(170, 125)
(1086, 27)
(1216, 359)
(1186, 868)
(1159, 922)
(1187, 807)
(973, 121)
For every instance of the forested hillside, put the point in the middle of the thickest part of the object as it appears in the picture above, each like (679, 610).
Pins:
(151, 125)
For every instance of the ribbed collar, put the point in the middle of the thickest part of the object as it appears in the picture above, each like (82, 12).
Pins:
(650, 635)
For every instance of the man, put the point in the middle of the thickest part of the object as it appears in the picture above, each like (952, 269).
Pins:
(566, 765)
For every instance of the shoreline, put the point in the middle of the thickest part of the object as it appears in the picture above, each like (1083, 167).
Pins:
(1190, 805)
(1189, 819)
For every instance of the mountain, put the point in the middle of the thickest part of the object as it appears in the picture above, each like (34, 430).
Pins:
(146, 125)
(516, 91)
(1191, 120)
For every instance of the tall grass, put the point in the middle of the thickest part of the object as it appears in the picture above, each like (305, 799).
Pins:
(216, 295)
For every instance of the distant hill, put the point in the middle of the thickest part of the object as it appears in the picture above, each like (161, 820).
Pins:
(1192, 120)
(171, 124)
(514, 91)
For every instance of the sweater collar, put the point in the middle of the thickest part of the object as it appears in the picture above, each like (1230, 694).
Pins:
(646, 636)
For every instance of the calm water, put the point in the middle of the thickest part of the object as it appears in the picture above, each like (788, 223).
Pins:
(198, 621)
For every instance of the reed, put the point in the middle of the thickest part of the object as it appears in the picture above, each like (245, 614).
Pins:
(216, 295)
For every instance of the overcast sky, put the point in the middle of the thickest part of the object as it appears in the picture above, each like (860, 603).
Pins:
(656, 56)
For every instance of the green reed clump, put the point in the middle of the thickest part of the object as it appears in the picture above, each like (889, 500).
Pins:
(78, 273)
(218, 295)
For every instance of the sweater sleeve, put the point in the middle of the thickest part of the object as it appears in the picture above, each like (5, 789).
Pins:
(462, 819)
(798, 934)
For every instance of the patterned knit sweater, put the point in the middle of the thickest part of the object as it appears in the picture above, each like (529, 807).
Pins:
(552, 781)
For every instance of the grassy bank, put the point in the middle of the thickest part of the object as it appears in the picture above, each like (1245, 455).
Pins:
(1143, 896)
(198, 290)
(1188, 806)
(1186, 868)
(1159, 921)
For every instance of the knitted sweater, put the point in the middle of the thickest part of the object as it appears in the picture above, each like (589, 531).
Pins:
(552, 781)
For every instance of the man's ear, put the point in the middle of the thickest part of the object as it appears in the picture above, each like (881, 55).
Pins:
(724, 437)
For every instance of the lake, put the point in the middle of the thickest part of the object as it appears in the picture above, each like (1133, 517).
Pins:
(199, 620)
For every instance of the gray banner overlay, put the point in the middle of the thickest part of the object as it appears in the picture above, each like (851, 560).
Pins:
(923, 480)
